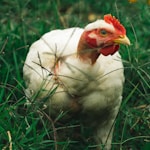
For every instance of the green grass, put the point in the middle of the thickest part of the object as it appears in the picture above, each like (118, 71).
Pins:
(23, 22)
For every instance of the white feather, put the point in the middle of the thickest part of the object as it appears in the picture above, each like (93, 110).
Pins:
(99, 24)
(96, 88)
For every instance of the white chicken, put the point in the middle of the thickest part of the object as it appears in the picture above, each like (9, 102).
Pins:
(79, 70)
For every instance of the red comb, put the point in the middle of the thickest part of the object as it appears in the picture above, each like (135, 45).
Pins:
(111, 19)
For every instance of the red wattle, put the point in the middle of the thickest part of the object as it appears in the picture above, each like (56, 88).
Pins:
(109, 50)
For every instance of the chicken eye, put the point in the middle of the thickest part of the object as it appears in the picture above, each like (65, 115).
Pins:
(103, 32)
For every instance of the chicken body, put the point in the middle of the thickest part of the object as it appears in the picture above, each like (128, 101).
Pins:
(90, 90)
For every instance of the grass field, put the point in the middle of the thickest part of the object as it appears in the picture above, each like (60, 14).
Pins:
(23, 22)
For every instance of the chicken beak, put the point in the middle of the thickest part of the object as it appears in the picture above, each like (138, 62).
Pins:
(122, 40)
